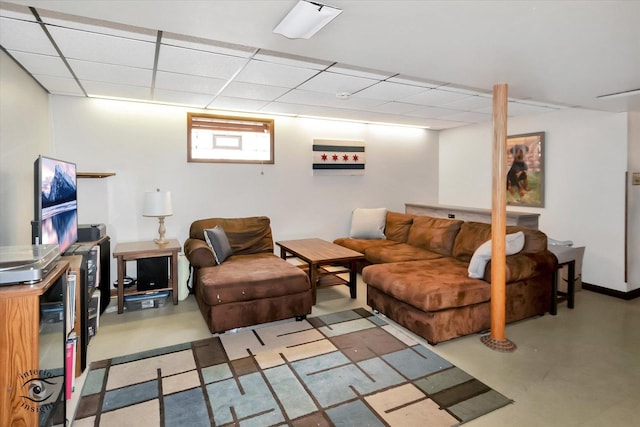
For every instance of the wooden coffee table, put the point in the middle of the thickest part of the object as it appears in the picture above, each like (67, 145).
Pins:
(318, 252)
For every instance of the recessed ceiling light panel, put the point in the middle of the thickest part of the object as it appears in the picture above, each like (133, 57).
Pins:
(305, 19)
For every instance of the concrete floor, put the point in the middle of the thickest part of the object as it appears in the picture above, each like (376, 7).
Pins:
(579, 368)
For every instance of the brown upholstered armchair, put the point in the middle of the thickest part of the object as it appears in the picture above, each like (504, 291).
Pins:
(250, 286)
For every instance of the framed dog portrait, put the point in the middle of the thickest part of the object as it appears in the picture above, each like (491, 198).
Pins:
(525, 170)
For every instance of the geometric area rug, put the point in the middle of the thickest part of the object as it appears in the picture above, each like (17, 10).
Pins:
(343, 369)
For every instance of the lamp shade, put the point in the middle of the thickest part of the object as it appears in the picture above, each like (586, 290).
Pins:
(157, 203)
(305, 19)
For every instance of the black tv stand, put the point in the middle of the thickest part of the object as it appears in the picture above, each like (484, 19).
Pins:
(95, 272)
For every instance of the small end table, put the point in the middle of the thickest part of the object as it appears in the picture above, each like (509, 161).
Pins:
(566, 256)
(132, 251)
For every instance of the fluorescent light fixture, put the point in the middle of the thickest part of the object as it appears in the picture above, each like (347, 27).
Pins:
(305, 19)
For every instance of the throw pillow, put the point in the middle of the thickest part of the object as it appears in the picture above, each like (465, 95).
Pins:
(368, 223)
(218, 242)
(482, 255)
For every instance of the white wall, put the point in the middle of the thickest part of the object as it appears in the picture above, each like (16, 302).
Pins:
(586, 160)
(24, 134)
(145, 145)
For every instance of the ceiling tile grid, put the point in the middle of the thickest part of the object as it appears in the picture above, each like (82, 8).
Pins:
(113, 60)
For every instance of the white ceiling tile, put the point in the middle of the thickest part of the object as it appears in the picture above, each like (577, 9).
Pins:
(17, 11)
(359, 72)
(199, 100)
(104, 89)
(336, 83)
(518, 108)
(100, 72)
(326, 112)
(274, 74)
(469, 117)
(281, 108)
(102, 48)
(406, 80)
(42, 64)
(198, 63)
(254, 91)
(395, 108)
(96, 26)
(434, 97)
(178, 40)
(389, 91)
(298, 96)
(467, 91)
(188, 83)
(25, 37)
(437, 124)
(303, 97)
(470, 103)
(515, 108)
(59, 85)
(305, 110)
(291, 60)
(431, 112)
(236, 104)
(540, 104)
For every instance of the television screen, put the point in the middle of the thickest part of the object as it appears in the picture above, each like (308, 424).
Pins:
(56, 207)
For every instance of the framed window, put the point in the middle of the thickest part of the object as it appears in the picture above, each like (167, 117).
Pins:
(229, 139)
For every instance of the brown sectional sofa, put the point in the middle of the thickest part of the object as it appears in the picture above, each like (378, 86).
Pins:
(418, 276)
(253, 285)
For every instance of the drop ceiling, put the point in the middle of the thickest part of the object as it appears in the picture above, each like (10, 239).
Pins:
(222, 55)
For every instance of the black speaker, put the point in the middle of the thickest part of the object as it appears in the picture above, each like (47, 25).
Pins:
(153, 273)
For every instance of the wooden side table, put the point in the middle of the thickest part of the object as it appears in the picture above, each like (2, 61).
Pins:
(566, 256)
(133, 251)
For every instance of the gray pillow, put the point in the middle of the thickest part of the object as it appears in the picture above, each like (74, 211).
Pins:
(218, 242)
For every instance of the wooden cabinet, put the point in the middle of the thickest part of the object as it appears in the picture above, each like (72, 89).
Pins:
(31, 352)
(523, 219)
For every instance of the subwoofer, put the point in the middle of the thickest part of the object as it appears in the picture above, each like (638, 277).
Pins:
(152, 273)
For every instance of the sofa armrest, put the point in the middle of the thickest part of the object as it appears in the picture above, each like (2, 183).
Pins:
(526, 265)
(199, 253)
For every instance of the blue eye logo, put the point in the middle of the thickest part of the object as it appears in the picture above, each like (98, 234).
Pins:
(37, 389)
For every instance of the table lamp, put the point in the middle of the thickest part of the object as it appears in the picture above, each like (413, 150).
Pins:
(158, 203)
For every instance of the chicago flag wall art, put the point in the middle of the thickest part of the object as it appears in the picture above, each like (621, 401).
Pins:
(333, 157)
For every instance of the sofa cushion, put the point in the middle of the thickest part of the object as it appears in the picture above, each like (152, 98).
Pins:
(250, 277)
(398, 253)
(368, 223)
(434, 234)
(431, 285)
(199, 253)
(482, 255)
(361, 245)
(398, 226)
(473, 234)
(219, 243)
(246, 235)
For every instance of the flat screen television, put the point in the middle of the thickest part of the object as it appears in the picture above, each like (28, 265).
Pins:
(55, 203)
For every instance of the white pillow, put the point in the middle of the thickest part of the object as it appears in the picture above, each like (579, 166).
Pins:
(368, 223)
(482, 255)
